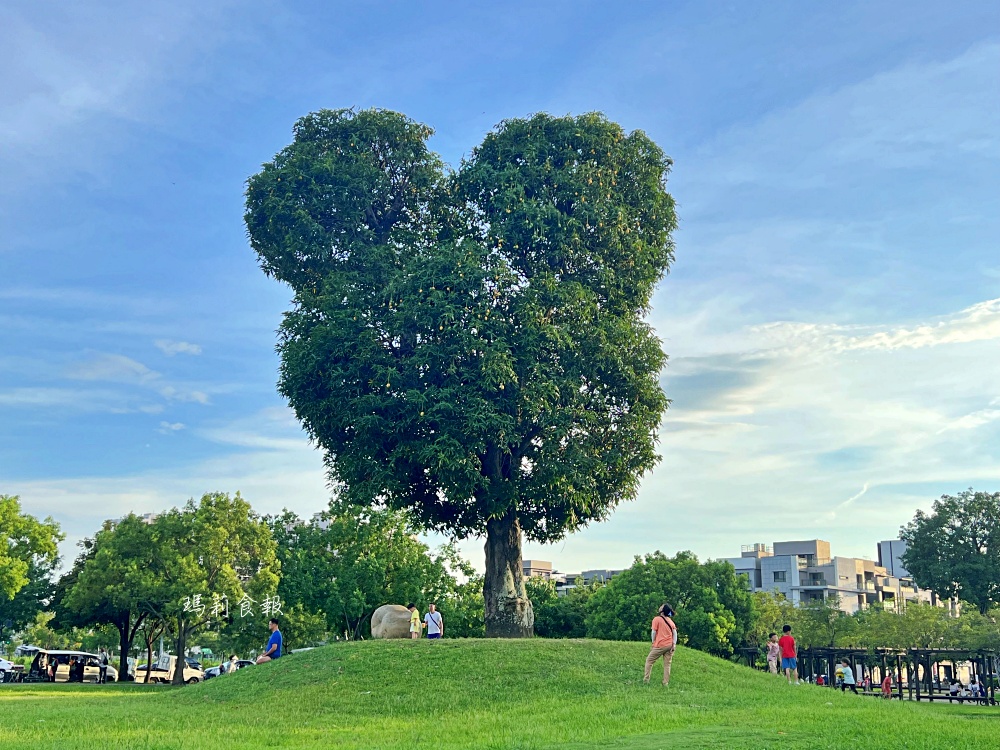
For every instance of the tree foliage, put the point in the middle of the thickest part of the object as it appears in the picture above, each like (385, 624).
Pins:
(28, 544)
(351, 560)
(111, 582)
(560, 616)
(624, 608)
(215, 547)
(470, 346)
(955, 549)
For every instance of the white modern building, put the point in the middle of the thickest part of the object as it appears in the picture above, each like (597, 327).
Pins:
(805, 571)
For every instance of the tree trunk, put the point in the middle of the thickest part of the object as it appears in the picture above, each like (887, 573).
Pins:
(149, 658)
(178, 678)
(124, 646)
(508, 611)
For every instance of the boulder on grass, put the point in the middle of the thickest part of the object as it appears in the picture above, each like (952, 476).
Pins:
(391, 621)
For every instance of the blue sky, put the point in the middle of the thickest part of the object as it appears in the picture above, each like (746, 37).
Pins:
(833, 317)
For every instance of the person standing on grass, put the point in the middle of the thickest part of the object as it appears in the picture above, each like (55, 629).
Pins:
(848, 680)
(234, 664)
(433, 622)
(664, 637)
(103, 668)
(416, 627)
(789, 663)
(773, 653)
(273, 643)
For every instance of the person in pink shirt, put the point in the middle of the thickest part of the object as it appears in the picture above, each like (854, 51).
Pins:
(664, 637)
(773, 653)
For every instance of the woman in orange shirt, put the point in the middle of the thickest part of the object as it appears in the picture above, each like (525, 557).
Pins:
(664, 636)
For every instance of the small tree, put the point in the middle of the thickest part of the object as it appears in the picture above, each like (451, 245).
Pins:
(955, 549)
(471, 346)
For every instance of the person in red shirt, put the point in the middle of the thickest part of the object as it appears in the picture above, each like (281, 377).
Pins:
(664, 636)
(887, 686)
(789, 663)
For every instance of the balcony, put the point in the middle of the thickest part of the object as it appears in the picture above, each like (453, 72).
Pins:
(820, 583)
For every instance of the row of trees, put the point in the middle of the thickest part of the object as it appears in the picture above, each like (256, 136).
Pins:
(715, 611)
(215, 570)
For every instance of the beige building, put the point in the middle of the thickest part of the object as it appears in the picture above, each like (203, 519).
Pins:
(805, 571)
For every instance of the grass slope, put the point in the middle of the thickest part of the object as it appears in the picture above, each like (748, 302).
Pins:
(575, 695)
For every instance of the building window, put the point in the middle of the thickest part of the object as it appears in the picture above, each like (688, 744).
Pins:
(779, 576)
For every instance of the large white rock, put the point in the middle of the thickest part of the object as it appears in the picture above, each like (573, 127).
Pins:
(391, 621)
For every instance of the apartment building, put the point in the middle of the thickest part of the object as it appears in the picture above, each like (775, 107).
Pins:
(806, 571)
(565, 581)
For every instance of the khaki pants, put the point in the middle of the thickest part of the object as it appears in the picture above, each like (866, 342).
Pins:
(772, 666)
(654, 654)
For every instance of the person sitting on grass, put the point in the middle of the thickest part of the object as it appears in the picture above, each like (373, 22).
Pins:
(789, 663)
(848, 680)
(664, 637)
(273, 643)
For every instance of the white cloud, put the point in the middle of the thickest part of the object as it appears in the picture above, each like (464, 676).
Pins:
(170, 348)
(114, 368)
(168, 427)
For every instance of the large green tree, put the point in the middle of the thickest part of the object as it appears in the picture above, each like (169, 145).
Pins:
(350, 560)
(111, 582)
(206, 553)
(26, 544)
(471, 346)
(955, 549)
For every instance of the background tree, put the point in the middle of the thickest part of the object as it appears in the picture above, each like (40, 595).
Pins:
(351, 560)
(21, 610)
(560, 616)
(111, 582)
(955, 549)
(624, 608)
(471, 346)
(28, 545)
(821, 623)
(216, 548)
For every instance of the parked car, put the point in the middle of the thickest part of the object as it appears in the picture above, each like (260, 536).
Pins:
(160, 675)
(216, 671)
(39, 669)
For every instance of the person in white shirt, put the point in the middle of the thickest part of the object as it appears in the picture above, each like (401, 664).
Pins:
(848, 681)
(434, 622)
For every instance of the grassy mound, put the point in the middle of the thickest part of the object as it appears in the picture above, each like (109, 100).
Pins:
(577, 695)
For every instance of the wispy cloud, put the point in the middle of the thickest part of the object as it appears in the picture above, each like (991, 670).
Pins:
(114, 368)
(167, 428)
(170, 348)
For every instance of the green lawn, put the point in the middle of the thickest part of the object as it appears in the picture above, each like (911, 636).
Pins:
(577, 695)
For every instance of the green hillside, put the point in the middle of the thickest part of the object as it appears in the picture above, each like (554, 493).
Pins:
(578, 695)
